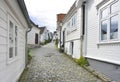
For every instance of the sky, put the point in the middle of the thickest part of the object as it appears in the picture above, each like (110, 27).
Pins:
(43, 12)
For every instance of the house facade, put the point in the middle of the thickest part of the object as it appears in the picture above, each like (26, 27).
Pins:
(71, 32)
(96, 34)
(60, 17)
(14, 22)
(54, 36)
(34, 36)
(103, 36)
(50, 35)
(43, 34)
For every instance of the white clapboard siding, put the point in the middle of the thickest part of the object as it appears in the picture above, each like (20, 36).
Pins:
(31, 35)
(11, 70)
(74, 36)
(109, 52)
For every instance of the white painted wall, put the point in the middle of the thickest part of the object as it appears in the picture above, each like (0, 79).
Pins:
(72, 34)
(44, 35)
(31, 36)
(10, 70)
(109, 52)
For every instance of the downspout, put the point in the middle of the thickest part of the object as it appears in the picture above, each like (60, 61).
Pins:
(25, 13)
(26, 48)
(60, 36)
(83, 28)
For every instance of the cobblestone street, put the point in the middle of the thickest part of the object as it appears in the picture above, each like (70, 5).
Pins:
(48, 65)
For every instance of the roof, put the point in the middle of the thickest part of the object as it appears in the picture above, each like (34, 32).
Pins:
(70, 12)
(34, 24)
(42, 29)
(24, 11)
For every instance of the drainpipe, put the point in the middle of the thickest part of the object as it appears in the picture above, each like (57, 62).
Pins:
(60, 36)
(83, 28)
(26, 48)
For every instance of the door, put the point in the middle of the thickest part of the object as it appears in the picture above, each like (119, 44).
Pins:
(71, 47)
(36, 38)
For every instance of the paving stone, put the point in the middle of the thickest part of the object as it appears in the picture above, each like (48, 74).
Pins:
(48, 65)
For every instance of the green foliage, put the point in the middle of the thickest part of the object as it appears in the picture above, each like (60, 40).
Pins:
(56, 42)
(82, 61)
(46, 41)
(42, 43)
(29, 56)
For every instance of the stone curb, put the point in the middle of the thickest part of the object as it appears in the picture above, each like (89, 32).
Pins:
(98, 75)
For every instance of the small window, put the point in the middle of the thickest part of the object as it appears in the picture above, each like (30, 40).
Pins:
(72, 22)
(11, 39)
(10, 52)
(16, 40)
(114, 27)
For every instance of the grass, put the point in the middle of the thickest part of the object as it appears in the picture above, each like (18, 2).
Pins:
(82, 61)
(29, 56)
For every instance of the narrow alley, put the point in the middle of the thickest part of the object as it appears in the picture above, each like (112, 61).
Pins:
(48, 65)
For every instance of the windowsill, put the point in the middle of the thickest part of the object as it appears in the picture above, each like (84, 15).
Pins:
(103, 60)
(72, 31)
(110, 42)
(11, 60)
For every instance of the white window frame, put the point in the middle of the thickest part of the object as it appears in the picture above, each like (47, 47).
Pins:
(110, 15)
(12, 19)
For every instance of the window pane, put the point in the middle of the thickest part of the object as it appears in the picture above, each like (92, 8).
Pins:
(11, 40)
(11, 33)
(15, 40)
(10, 52)
(114, 27)
(114, 7)
(104, 30)
(104, 13)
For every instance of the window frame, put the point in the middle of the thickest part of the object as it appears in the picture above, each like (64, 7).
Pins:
(108, 18)
(12, 20)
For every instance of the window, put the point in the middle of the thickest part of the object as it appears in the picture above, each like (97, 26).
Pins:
(74, 21)
(36, 38)
(16, 40)
(68, 27)
(12, 40)
(71, 24)
(109, 22)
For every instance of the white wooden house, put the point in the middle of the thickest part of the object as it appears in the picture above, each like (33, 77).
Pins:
(60, 17)
(43, 34)
(96, 34)
(34, 36)
(54, 36)
(14, 22)
(50, 35)
(102, 32)
(70, 34)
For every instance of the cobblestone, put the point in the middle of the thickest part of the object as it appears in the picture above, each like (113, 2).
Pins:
(48, 65)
